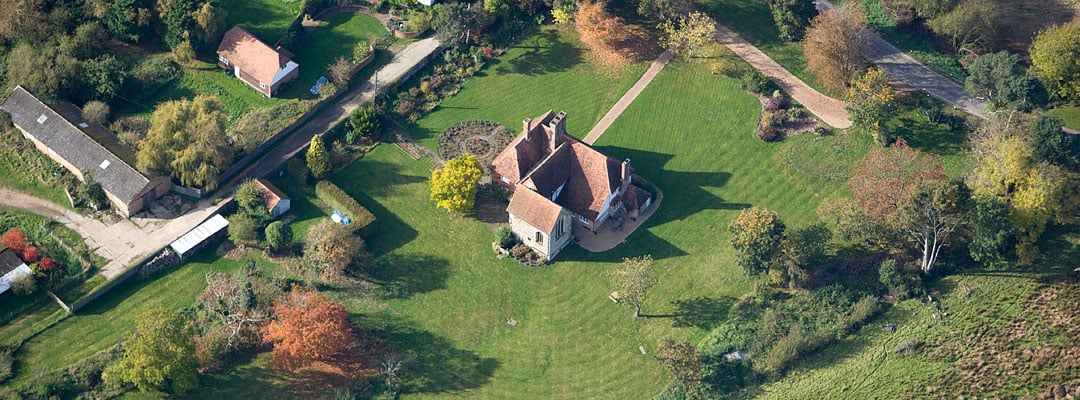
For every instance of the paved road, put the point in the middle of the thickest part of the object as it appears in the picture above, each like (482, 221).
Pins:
(627, 98)
(402, 64)
(903, 68)
(124, 241)
(827, 108)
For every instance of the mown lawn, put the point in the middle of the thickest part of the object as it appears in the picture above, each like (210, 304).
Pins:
(334, 38)
(545, 71)
(103, 322)
(1069, 113)
(267, 19)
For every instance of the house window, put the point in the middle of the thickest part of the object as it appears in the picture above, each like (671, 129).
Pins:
(539, 237)
(559, 230)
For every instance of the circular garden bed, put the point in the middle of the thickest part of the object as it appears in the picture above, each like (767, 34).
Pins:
(482, 139)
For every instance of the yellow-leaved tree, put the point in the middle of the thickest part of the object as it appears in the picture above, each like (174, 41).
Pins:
(453, 187)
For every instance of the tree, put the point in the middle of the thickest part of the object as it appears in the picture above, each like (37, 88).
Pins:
(971, 26)
(601, 32)
(187, 139)
(90, 40)
(633, 281)
(886, 178)
(45, 72)
(871, 104)
(96, 112)
(361, 50)
(230, 301)
(897, 282)
(104, 76)
(278, 235)
(178, 21)
(318, 161)
(91, 194)
(159, 355)
(210, 24)
(662, 9)
(363, 122)
(15, 240)
(48, 264)
(453, 187)
(23, 19)
(330, 249)
(457, 25)
(929, 216)
(852, 223)
(248, 196)
(755, 235)
(1050, 143)
(792, 17)
(1055, 60)
(682, 360)
(307, 328)
(129, 19)
(992, 237)
(836, 46)
(340, 71)
(1004, 82)
(242, 229)
(687, 33)
(391, 367)
(800, 249)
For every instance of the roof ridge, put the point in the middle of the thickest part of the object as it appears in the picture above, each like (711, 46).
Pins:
(73, 126)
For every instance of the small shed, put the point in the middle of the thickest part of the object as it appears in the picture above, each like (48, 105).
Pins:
(277, 202)
(195, 239)
(11, 268)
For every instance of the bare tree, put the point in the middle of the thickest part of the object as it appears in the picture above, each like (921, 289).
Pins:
(392, 367)
(230, 299)
(931, 215)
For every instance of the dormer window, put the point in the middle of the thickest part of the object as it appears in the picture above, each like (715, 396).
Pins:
(104, 164)
(42, 118)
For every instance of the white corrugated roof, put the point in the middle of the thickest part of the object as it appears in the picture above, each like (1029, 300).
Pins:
(205, 230)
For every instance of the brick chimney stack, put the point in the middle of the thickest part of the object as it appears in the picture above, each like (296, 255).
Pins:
(527, 125)
(558, 129)
(627, 173)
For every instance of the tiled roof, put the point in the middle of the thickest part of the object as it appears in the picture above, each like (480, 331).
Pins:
(70, 143)
(593, 177)
(253, 56)
(515, 161)
(534, 209)
(270, 193)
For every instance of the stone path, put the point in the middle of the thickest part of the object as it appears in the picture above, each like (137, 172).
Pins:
(628, 98)
(827, 108)
(902, 67)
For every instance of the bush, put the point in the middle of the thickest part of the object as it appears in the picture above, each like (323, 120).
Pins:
(505, 237)
(754, 81)
(153, 74)
(242, 229)
(24, 285)
(130, 130)
(772, 118)
(96, 112)
(363, 122)
(898, 283)
(862, 311)
(337, 199)
(777, 103)
(361, 51)
(278, 235)
(769, 133)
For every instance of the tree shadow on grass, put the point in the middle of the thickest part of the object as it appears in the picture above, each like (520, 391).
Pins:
(702, 312)
(438, 366)
(545, 52)
(405, 275)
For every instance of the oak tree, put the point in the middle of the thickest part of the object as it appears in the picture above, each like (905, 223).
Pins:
(755, 235)
(453, 187)
(307, 328)
(159, 355)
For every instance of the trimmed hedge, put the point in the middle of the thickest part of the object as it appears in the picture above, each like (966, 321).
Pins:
(337, 199)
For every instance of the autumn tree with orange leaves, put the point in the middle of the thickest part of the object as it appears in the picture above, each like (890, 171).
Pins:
(886, 177)
(308, 328)
(602, 33)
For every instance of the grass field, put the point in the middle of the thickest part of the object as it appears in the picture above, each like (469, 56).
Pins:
(546, 71)
(267, 19)
(333, 38)
(1069, 113)
(102, 323)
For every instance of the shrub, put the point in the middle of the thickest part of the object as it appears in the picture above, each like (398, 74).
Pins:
(363, 122)
(15, 240)
(755, 82)
(772, 118)
(242, 229)
(278, 235)
(898, 283)
(24, 285)
(337, 199)
(505, 237)
(769, 133)
(777, 103)
(404, 107)
(30, 255)
(47, 264)
(153, 74)
(130, 130)
(361, 51)
(96, 112)
(794, 113)
(863, 310)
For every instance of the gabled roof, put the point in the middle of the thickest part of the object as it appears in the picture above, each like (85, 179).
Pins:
(69, 142)
(515, 161)
(253, 56)
(534, 209)
(9, 261)
(270, 193)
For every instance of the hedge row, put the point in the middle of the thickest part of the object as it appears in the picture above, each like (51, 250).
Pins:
(337, 199)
